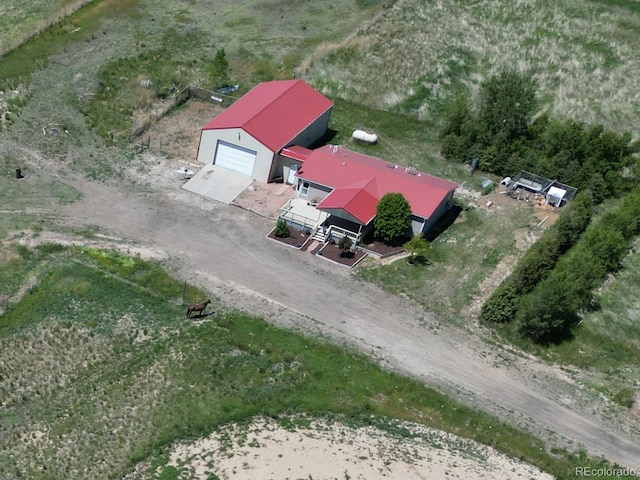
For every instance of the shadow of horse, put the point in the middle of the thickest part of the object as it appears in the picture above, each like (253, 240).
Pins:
(202, 315)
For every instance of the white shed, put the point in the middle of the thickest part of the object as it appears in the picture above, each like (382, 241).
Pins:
(555, 196)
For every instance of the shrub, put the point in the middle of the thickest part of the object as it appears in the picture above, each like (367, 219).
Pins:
(538, 263)
(606, 244)
(345, 246)
(501, 306)
(24, 252)
(507, 102)
(624, 397)
(417, 248)
(49, 248)
(393, 218)
(282, 229)
(548, 313)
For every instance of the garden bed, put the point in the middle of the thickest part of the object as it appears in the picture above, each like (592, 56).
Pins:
(332, 252)
(381, 249)
(296, 238)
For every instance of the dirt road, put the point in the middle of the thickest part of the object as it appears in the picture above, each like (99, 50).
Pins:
(224, 249)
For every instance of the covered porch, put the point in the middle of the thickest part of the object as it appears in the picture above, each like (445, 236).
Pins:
(334, 228)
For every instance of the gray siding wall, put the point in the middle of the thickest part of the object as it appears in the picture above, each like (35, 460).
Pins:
(236, 136)
(416, 225)
(281, 162)
(313, 132)
(315, 190)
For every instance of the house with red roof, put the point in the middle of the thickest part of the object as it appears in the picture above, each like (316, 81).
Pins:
(266, 135)
(346, 187)
(248, 136)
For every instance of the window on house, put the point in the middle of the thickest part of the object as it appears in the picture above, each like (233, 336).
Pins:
(304, 191)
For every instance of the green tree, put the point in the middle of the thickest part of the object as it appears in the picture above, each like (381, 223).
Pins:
(393, 218)
(459, 135)
(549, 312)
(506, 104)
(539, 261)
(606, 244)
(219, 73)
(418, 249)
(626, 219)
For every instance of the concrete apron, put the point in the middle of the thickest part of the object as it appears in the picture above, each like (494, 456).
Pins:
(219, 183)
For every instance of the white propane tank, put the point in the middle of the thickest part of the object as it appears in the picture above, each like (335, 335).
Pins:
(364, 136)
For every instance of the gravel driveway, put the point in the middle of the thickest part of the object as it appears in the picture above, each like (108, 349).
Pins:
(224, 249)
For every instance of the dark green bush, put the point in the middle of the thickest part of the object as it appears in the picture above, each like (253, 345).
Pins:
(282, 229)
(552, 308)
(501, 306)
(393, 218)
(345, 246)
(549, 311)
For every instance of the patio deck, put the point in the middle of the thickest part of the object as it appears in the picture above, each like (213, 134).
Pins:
(302, 213)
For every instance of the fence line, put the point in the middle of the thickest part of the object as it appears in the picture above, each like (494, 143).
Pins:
(176, 99)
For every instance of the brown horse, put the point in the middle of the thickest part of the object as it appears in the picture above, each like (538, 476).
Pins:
(198, 307)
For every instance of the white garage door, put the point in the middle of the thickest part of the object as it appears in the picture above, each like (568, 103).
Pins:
(235, 158)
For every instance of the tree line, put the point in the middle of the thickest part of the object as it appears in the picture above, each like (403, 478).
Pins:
(501, 130)
(558, 275)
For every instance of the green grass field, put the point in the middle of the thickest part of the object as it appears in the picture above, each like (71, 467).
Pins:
(461, 258)
(100, 371)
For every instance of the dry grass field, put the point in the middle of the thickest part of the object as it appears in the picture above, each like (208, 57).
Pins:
(417, 55)
(21, 20)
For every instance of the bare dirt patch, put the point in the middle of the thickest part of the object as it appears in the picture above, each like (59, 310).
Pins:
(264, 198)
(265, 449)
(177, 134)
(500, 199)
